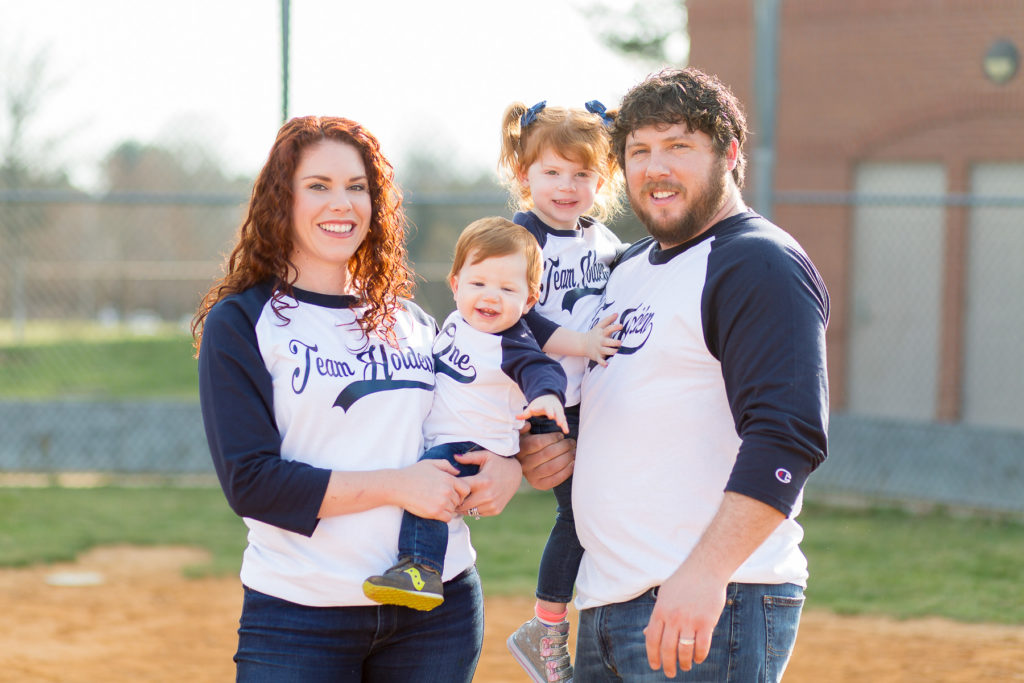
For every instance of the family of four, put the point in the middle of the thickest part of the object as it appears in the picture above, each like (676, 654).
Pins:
(673, 392)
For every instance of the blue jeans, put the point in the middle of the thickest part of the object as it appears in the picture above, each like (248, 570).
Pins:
(562, 554)
(281, 642)
(425, 541)
(751, 643)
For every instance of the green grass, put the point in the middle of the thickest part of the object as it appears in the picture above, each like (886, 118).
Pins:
(509, 546)
(159, 366)
(862, 561)
(907, 565)
(52, 524)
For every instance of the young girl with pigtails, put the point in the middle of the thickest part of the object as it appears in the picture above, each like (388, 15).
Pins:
(564, 179)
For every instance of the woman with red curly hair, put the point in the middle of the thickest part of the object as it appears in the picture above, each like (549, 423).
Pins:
(315, 375)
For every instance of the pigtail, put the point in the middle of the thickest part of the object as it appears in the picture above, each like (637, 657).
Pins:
(610, 117)
(511, 136)
(509, 158)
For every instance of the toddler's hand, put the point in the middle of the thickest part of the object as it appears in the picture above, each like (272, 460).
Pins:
(549, 406)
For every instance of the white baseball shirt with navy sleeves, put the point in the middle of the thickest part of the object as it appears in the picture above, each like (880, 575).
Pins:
(288, 396)
(576, 267)
(720, 385)
(483, 381)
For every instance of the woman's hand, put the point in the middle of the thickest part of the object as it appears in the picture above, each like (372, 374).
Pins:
(547, 459)
(432, 489)
(493, 486)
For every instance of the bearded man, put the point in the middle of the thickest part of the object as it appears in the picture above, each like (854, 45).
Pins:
(697, 438)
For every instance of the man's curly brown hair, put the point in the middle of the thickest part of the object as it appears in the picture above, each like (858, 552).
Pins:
(687, 96)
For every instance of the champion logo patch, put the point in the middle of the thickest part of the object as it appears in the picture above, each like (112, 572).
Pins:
(783, 475)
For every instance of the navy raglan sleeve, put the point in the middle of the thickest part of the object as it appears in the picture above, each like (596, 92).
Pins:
(540, 327)
(532, 224)
(534, 371)
(765, 309)
(236, 397)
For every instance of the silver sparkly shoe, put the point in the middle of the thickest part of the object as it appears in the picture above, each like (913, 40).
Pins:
(542, 651)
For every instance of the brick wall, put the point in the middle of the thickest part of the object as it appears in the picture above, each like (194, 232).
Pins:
(873, 80)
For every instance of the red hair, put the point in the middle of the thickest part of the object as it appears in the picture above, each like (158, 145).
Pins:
(578, 135)
(378, 269)
(493, 237)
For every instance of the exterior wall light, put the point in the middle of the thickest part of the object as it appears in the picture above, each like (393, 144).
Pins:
(1001, 62)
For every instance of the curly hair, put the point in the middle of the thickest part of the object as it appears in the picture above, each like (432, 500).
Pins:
(379, 268)
(575, 134)
(687, 96)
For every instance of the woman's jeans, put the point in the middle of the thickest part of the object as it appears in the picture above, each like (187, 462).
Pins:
(282, 642)
(425, 541)
(562, 555)
(751, 643)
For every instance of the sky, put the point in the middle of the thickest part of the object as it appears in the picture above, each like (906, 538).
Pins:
(420, 75)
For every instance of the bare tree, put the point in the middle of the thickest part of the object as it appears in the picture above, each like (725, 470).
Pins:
(25, 84)
(651, 30)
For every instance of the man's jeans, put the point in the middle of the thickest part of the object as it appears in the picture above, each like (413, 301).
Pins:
(751, 643)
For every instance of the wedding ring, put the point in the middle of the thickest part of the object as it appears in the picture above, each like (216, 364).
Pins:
(475, 512)
(684, 642)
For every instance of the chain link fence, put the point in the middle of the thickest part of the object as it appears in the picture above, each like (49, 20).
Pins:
(924, 342)
(925, 338)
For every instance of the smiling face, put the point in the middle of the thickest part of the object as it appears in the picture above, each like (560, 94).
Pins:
(677, 184)
(331, 215)
(562, 190)
(492, 294)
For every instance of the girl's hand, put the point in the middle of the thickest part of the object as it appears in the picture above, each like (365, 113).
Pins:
(493, 486)
(549, 406)
(432, 489)
(599, 342)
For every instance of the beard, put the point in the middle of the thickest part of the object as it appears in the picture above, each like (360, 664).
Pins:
(703, 202)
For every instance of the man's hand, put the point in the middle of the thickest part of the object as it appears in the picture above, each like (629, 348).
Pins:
(688, 607)
(547, 459)
(690, 601)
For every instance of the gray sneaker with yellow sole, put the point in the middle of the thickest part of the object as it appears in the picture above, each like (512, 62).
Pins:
(407, 584)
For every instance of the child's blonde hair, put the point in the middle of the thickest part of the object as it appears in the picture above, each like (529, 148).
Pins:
(578, 135)
(495, 236)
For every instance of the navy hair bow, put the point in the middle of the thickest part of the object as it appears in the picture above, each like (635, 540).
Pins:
(531, 114)
(595, 107)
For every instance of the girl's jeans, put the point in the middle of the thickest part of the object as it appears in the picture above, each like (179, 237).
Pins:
(562, 555)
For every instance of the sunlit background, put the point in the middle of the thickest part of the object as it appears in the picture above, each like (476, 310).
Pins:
(888, 137)
(206, 77)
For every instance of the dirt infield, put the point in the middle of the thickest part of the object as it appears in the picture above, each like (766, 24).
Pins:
(136, 619)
